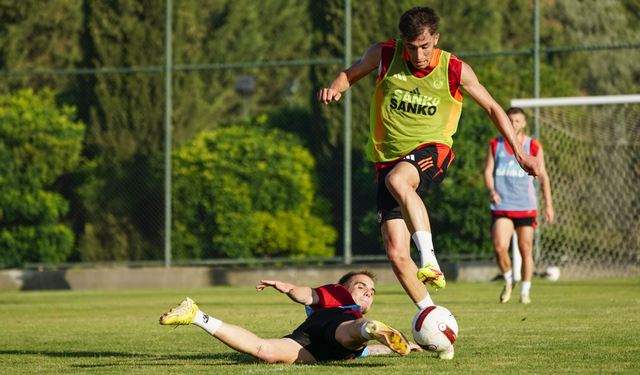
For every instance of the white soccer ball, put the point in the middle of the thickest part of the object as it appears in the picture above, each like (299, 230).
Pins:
(434, 328)
(552, 273)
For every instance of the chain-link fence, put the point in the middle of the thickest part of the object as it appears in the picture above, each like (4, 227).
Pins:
(593, 155)
(259, 171)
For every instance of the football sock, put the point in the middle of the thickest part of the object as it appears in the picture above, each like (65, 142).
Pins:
(364, 332)
(207, 322)
(426, 302)
(508, 277)
(423, 242)
(524, 287)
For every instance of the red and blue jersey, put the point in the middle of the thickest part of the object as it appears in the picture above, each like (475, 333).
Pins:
(515, 187)
(334, 295)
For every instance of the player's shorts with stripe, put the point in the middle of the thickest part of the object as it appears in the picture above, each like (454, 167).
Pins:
(318, 334)
(431, 160)
(517, 221)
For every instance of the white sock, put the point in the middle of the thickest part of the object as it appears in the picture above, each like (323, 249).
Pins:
(525, 286)
(364, 332)
(206, 322)
(423, 242)
(508, 277)
(426, 302)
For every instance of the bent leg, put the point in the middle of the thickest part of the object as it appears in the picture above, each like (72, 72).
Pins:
(397, 242)
(269, 350)
(349, 334)
(402, 183)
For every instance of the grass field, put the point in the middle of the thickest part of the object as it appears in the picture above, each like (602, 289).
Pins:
(581, 327)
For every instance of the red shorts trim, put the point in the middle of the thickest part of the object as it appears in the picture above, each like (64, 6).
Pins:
(516, 214)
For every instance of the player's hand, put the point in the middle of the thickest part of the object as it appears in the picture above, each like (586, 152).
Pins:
(531, 165)
(328, 95)
(278, 285)
(494, 197)
(549, 215)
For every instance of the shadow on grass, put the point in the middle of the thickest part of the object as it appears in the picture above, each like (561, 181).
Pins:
(221, 359)
(354, 364)
(85, 354)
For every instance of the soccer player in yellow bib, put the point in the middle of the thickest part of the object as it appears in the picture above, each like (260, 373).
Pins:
(414, 113)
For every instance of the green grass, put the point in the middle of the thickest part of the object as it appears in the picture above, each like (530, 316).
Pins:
(579, 327)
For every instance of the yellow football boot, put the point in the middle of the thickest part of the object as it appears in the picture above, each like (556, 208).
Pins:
(430, 273)
(181, 315)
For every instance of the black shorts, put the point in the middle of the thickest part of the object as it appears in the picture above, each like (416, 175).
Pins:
(318, 334)
(517, 221)
(431, 161)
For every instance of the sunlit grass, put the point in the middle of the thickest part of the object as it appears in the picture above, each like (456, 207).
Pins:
(571, 327)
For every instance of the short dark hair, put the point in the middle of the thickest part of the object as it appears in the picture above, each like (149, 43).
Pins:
(514, 111)
(414, 21)
(344, 280)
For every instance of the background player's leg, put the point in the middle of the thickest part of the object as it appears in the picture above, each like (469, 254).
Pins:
(502, 230)
(525, 244)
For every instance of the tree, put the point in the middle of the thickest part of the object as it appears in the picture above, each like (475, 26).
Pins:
(40, 35)
(241, 31)
(122, 194)
(244, 192)
(38, 143)
(594, 23)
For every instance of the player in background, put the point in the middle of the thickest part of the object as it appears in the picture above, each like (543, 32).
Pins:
(334, 329)
(513, 203)
(414, 113)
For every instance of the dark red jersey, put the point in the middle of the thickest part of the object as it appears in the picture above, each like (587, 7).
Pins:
(336, 295)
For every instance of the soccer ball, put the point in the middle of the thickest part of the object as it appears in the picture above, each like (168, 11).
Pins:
(434, 328)
(552, 273)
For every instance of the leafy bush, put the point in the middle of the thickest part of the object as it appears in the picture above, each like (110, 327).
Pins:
(246, 192)
(38, 143)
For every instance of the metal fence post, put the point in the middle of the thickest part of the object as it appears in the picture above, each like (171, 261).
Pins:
(347, 138)
(536, 113)
(167, 137)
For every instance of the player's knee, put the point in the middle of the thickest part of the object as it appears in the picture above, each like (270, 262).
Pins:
(501, 248)
(398, 259)
(395, 183)
(269, 357)
(394, 249)
(525, 251)
(349, 335)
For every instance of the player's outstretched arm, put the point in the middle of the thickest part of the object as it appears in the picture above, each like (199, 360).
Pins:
(361, 68)
(469, 82)
(301, 294)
